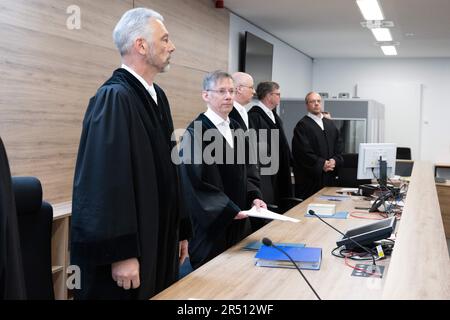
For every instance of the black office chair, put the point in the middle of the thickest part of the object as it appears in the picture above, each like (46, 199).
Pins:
(284, 204)
(403, 168)
(403, 153)
(347, 174)
(12, 282)
(35, 229)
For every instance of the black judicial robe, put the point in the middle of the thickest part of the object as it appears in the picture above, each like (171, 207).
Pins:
(235, 115)
(12, 281)
(279, 185)
(214, 194)
(310, 148)
(126, 191)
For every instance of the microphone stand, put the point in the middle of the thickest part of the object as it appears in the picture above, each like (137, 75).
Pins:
(269, 243)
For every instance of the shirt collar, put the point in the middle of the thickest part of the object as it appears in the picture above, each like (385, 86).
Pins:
(314, 117)
(215, 118)
(239, 107)
(267, 110)
(141, 80)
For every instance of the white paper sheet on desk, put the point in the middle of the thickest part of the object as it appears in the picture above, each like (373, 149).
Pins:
(266, 214)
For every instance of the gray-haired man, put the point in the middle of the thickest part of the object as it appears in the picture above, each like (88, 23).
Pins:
(126, 215)
(218, 181)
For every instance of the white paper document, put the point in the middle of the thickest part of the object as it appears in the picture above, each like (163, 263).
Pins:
(266, 214)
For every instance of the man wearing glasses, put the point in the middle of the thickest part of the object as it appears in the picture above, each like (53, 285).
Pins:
(316, 148)
(217, 183)
(276, 183)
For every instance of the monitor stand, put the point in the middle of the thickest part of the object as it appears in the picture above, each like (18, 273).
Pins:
(383, 173)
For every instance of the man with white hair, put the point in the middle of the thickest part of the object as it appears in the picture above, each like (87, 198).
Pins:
(243, 82)
(126, 221)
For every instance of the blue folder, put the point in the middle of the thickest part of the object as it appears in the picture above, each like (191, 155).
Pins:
(305, 257)
(255, 245)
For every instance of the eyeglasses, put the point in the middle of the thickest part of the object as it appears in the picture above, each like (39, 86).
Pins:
(315, 101)
(223, 92)
(276, 93)
(250, 87)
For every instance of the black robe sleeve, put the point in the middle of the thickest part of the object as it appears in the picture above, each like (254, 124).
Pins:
(185, 230)
(200, 187)
(253, 184)
(338, 149)
(252, 169)
(103, 197)
(304, 153)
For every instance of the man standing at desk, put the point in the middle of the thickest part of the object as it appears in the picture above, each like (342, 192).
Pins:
(316, 149)
(217, 182)
(243, 83)
(126, 214)
(277, 183)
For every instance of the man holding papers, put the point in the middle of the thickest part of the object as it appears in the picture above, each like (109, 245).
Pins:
(217, 181)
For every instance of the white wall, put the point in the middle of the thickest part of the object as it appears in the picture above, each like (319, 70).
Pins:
(398, 83)
(291, 69)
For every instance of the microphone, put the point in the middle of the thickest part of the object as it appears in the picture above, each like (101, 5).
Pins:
(311, 212)
(269, 243)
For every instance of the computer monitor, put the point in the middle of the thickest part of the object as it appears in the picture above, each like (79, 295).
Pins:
(368, 234)
(369, 160)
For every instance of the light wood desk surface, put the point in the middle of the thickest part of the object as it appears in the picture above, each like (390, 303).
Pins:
(233, 274)
(420, 267)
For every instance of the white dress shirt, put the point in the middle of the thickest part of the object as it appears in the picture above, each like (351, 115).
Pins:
(242, 111)
(149, 88)
(222, 125)
(317, 119)
(267, 111)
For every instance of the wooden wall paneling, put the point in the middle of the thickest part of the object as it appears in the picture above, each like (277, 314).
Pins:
(98, 18)
(183, 88)
(199, 30)
(49, 73)
(200, 33)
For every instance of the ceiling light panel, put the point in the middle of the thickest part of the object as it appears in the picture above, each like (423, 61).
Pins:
(389, 50)
(370, 9)
(382, 34)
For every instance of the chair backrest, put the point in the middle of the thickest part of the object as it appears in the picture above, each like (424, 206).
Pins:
(12, 282)
(35, 219)
(403, 168)
(347, 174)
(403, 153)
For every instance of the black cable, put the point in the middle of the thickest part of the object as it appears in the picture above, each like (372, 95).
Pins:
(343, 250)
(356, 256)
(387, 249)
(282, 251)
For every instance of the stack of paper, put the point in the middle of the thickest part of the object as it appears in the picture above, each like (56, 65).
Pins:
(322, 209)
(266, 214)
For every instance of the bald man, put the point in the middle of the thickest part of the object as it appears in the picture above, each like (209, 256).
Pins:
(244, 86)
